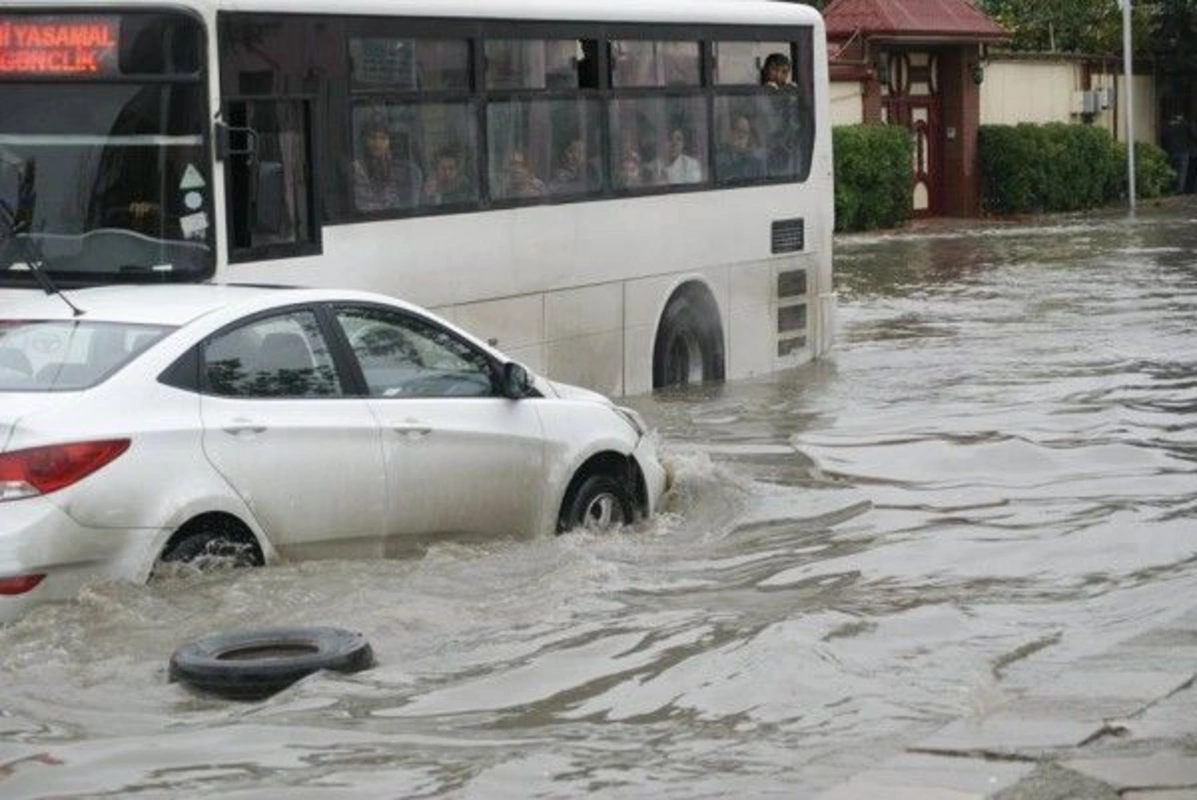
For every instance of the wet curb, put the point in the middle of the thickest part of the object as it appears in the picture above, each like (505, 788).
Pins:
(1120, 725)
(949, 226)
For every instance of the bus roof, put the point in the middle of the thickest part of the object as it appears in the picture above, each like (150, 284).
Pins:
(722, 12)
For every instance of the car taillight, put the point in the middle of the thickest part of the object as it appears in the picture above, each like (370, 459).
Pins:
(20, 584)
(41, 470)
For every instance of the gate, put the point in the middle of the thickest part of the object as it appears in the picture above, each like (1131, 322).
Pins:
(911, 97)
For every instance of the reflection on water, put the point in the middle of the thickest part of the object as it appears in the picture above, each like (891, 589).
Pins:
(994, 475)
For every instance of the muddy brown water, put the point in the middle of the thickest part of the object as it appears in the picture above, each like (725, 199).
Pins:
(993, 475)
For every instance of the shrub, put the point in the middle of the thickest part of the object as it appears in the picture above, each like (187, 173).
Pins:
(1060, 167)
(872, 176)
(1154, 177)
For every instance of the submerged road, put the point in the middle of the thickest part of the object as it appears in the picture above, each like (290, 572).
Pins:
(955, 560)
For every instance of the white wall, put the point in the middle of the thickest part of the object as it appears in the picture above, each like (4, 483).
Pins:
(847, 106)
(1028, 91)
(1045, 91)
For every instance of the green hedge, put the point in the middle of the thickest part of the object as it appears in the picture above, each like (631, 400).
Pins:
(1154, 177)
(1059, 167)
(872, 176)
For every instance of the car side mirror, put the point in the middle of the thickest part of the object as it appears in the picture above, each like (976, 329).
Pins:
(516, 381)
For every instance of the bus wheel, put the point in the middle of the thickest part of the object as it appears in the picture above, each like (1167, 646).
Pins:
(689, 345)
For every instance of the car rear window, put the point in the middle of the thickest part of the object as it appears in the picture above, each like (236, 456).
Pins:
(65, 355)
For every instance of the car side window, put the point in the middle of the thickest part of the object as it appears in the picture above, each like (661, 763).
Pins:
(283, 356)
(406, 356)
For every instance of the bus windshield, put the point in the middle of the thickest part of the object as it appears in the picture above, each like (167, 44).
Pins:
(104, 172)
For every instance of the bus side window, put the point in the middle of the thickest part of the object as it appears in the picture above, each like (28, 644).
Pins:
(271, 198)
(557, 142)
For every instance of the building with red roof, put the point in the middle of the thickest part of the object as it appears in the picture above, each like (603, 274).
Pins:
(921, 64)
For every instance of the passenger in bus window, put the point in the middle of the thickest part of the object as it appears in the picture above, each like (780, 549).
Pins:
(520, 180)
(678, 166)
(776, 71)
(574, 172)
(740, 158)
(381, 181)
(448, 182)
(631, 170)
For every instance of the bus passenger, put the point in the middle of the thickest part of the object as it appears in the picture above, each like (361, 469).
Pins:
(679, 167)
(574, 173)
(380, 181)
(740, 159)
(520, 181)
(776, 71)
(631, 171)
(448, 182)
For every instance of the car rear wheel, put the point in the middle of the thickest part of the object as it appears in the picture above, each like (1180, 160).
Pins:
(213, 543)
(601, 503)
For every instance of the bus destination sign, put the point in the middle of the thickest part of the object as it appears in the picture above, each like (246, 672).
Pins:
(59, 45)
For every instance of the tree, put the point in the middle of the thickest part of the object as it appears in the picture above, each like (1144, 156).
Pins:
(1092, 27)
(1172, 44)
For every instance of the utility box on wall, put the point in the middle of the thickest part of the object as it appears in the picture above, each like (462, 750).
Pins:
(1087, 102)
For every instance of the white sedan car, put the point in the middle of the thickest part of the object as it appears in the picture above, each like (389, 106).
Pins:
(169, 423)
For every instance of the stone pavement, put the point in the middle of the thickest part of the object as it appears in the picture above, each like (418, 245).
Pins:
(1117, 726)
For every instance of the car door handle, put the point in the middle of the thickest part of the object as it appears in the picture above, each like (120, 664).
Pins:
(244, 431)
(412, 431)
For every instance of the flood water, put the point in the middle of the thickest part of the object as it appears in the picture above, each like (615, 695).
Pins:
(992, 476)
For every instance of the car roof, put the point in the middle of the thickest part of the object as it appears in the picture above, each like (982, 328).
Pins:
(173, 304)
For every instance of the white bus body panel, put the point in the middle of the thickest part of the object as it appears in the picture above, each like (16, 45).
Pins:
(576, 290)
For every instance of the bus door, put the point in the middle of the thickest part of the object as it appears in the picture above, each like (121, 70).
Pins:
(268, 150)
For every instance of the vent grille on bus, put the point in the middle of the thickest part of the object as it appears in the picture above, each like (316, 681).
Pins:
(791, 283)
(788, 235)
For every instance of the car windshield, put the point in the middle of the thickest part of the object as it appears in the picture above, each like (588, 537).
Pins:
(103, 168)
(66, 355)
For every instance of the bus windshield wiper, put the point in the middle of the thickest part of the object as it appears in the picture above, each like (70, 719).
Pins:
(13, 230)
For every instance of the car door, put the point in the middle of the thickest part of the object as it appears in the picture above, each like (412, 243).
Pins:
(304, 455)
(460, 458)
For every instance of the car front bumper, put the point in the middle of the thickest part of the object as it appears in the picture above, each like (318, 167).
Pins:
(656, 476)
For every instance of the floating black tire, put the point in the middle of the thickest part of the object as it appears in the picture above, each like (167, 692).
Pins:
(251, 664)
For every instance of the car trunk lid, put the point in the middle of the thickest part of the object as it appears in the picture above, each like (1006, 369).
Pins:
(16, 405)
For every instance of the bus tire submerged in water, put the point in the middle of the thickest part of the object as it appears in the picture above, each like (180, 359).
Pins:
(689, 344)
(601, 503)
(252, 664)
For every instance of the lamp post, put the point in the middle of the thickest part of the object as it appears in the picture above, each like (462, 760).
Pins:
(1125, 5)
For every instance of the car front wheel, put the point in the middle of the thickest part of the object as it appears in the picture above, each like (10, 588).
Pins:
(601, 503)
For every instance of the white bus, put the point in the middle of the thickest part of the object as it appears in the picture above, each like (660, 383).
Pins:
(609, 190)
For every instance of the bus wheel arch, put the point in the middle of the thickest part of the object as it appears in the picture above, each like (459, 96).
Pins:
(689, 345)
